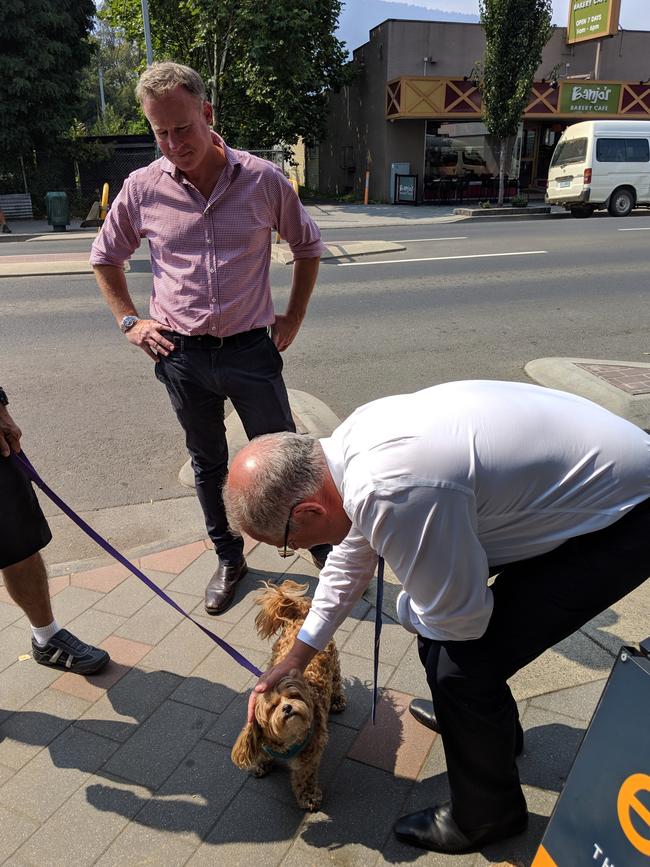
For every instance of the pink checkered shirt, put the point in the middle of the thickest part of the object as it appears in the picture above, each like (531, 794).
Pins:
(210, 260)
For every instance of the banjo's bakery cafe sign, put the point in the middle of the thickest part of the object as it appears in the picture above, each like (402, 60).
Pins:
(592, 19)
(589, 97)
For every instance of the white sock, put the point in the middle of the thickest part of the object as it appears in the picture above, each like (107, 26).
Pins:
(42, 634)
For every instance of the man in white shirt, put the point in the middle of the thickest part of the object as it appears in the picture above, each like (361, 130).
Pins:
(450, 485)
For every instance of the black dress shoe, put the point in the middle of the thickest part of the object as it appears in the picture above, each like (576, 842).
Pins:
(435, 829)
(220, 592)
(424, 713)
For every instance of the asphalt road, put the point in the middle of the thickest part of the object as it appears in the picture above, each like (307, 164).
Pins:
(463, 300)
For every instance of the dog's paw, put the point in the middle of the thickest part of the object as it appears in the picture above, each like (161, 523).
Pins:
(338, 704)
(311, 801)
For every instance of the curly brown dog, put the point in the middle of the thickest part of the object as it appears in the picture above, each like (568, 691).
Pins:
(291, 720)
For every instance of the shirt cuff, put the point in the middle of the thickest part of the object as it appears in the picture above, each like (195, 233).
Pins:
(308, 251)
(316, 632)
(101, 259)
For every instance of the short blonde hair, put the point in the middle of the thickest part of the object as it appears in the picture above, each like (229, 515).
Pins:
(161, 78)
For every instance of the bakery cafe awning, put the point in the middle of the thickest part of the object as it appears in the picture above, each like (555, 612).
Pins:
(459, 99)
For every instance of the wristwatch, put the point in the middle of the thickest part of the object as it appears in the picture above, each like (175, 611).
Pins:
(4, 400)
(128, 322)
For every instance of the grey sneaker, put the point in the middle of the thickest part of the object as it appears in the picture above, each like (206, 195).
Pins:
(65, 651)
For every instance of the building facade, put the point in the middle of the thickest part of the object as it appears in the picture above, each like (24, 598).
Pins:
(414, 107)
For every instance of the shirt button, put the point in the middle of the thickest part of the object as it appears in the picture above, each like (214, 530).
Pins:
(212, 270)
(214, 328)
(209, 240)
(213, 300)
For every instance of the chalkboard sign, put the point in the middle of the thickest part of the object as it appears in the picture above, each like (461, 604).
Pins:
(406, 189)
(602, 817)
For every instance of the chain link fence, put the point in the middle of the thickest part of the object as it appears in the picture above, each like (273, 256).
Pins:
(82, 169)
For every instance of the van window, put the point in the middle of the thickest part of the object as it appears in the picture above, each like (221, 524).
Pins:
(622, 150)
(572, 150)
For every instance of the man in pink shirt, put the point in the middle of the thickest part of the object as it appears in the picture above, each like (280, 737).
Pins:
(207, 212)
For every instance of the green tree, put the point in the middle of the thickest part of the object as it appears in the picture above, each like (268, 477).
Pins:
(516, 32)
(113, 66)
(43, 48)
(267, 65)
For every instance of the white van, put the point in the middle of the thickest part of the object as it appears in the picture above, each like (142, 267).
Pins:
(601, 164)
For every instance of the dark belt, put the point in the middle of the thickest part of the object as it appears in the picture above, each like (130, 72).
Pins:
(207, 341)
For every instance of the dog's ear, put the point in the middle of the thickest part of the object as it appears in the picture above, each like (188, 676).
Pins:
(266, 622)
(247, 746)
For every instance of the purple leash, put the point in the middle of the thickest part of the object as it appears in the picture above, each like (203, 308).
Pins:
(378, 622)
(23, 461)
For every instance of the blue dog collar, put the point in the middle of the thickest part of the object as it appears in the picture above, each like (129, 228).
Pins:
(292, 751)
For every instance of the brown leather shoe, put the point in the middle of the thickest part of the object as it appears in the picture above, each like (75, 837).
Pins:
(220, 592)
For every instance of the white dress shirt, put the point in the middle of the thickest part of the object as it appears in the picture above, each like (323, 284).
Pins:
(450, 482)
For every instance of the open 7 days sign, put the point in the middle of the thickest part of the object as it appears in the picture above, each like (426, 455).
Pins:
(592, 19)
(589, 97)
(602, 817)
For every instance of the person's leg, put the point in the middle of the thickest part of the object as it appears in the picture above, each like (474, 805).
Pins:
(252, 377)
(198, 401)
(23, 532)
(26, 583)
(253, 374)
(477, 719)
(536, 604)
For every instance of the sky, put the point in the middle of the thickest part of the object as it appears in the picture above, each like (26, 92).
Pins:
(359, 16)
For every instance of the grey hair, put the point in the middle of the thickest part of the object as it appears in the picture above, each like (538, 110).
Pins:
(291, 469)
(161, 78)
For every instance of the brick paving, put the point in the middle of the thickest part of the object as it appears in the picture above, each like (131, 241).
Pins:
(132, 766)
(631, 379)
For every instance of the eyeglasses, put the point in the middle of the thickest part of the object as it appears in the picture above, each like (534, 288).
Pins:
(285, 552)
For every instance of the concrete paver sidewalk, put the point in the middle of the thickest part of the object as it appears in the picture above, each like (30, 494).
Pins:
(137, 759)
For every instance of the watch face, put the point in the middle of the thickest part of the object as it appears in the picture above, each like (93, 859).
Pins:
(128, 322)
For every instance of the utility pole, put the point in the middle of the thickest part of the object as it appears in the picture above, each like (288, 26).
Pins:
(597, 61)
(147, 32)
(102, 101)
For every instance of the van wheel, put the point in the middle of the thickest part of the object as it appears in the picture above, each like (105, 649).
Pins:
(621, 203)
(581, 211)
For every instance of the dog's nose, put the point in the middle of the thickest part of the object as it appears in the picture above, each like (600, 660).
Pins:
(287, 710)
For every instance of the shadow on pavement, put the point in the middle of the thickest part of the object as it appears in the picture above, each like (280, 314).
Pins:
(171, 770)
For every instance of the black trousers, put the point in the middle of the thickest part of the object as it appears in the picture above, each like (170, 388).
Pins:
(537, 602)
(199, 375)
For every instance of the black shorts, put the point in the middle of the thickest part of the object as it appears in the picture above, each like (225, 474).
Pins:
(23, 528)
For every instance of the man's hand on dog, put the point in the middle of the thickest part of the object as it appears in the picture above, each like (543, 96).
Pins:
(299, 658)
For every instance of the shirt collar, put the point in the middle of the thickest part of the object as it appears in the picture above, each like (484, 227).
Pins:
(232, 160)
(335, 460)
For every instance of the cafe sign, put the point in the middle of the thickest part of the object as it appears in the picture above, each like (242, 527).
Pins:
(589, 97)
(592, 19)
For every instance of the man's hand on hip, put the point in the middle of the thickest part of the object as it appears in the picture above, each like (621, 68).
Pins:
(284, 330)
(146, 335)
(10, 434)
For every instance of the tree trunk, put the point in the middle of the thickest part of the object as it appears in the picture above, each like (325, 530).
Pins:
(502, 170)
(213, 95)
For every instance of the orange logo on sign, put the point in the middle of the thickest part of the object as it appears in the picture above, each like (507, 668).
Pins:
(627, 803)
